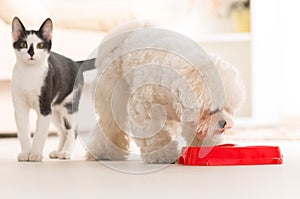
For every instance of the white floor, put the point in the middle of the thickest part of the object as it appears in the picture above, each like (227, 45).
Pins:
(81, 179)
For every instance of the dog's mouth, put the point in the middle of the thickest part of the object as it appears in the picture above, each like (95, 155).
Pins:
(220, 131)
(225, 128)
(201, 135)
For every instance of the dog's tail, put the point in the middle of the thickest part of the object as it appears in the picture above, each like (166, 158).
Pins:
(85, 65)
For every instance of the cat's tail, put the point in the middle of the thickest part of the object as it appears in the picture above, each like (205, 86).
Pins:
(86, 64)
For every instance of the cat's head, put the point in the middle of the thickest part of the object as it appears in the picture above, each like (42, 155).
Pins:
(32, 46)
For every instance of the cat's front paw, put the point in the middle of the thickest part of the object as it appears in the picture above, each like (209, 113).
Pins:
(35, 157)
(23, 157)
(66, 155)
(53, 154)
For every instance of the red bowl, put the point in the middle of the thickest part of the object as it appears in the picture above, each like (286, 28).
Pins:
(230, 154)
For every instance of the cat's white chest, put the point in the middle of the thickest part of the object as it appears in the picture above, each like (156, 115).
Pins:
(27, 82)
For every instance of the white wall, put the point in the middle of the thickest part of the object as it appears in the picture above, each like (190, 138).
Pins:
(276, 64)
(290, 66)
(265, 60)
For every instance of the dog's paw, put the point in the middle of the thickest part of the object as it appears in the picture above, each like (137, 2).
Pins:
(64, 155)
(23, 157)
(166, 155)
(90, 157)
(35, 157)
(158, 158)
(53, 154)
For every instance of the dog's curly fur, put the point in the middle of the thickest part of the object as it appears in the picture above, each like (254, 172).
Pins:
(161, 147)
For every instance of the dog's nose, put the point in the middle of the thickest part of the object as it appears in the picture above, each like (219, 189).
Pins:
(222, 124)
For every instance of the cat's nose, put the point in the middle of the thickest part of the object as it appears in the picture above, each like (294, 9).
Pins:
(31, 50)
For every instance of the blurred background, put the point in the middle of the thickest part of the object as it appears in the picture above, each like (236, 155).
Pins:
(260, 38)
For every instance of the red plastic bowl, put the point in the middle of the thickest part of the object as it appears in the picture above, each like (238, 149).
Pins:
(230, 154)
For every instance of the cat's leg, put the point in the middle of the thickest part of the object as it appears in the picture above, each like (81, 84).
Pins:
(55, 153)
(22, 122)
(42, 126)
(57, 121)
(70, 136)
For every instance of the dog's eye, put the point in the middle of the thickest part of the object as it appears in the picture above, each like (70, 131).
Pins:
(40, 45)
(23, 44)
(214, 111)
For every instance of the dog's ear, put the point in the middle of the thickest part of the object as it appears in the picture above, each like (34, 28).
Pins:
(18, 29)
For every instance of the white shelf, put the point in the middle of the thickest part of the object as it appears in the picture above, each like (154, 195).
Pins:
(224, 38)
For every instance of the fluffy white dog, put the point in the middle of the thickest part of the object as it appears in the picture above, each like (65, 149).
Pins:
(154, 112)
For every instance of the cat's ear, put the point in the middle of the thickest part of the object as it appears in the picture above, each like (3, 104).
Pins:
(46, 29)
(18, 29)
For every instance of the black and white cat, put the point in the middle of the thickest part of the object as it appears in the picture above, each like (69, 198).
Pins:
(49, 83)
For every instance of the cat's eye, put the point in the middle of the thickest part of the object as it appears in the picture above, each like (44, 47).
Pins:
(40, 45)
(23, 45)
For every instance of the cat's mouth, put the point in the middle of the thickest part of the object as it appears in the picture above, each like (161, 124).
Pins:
(31, 59)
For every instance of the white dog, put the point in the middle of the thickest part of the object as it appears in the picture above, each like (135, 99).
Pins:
(155, 108)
